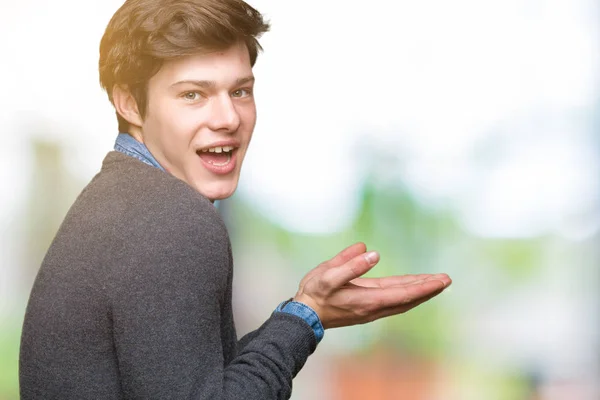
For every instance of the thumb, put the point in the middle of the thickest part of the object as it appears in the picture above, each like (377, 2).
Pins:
(347, 254)
(352, 269)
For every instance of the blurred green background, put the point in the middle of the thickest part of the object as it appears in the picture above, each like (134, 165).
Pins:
(457, 137)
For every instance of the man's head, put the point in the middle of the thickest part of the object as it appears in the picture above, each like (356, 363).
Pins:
(179, 73)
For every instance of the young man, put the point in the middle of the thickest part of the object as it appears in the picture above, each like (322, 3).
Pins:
(133, 299)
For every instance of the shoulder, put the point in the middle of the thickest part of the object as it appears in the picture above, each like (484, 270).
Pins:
(158, 226)
(144, 206)
(137, 229)
(148, 192)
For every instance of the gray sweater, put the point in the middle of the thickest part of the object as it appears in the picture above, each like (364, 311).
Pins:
(133, 301)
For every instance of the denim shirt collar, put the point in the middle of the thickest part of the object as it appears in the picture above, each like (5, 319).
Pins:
(126, 144)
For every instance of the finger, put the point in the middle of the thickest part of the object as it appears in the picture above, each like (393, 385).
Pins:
(400, 280)
(390, 280)
(342, 257)
(347, 254)
(399, 296)
(369, 304)
(444, 278)
(401, 309)
(337, 277)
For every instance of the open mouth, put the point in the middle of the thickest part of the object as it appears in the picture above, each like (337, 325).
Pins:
(217, 156)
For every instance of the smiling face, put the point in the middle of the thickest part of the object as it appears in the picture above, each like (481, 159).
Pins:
(200, 117)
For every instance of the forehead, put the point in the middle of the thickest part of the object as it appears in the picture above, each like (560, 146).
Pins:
(223, 66)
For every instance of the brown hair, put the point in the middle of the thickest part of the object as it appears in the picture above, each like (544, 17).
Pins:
(143, 34)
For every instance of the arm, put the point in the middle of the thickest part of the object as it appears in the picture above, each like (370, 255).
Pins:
(247, 338)
(300, 310)
(334, 294)
(167, 321)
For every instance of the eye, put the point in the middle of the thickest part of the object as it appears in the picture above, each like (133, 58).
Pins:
(242, 92)
(191, 96)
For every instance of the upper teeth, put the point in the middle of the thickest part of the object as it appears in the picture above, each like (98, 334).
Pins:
(218, 149)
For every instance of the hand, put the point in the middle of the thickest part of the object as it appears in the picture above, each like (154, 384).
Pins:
(340, 297)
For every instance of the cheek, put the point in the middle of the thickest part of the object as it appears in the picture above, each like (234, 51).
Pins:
(176, 123)
(248, 115)
(157, 119)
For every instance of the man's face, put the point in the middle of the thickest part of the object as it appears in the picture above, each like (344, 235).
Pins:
(200, 118)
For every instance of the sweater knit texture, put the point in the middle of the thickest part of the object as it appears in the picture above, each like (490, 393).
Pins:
(134, 301)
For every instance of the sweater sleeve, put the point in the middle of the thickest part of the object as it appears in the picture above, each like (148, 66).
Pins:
(166, 302)
(247, 338)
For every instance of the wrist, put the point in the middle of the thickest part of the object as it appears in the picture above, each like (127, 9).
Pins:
(304, 311)
(308, 301)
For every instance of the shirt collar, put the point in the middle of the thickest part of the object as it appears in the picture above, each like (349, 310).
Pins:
(126, 144)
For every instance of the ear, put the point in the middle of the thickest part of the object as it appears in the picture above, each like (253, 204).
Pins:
(126, 105)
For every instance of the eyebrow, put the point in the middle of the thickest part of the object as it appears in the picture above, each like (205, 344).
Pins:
(212, 84)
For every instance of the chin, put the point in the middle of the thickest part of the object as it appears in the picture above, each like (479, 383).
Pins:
(217, 192)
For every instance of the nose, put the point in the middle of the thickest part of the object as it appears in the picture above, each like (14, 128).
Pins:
(224, 117)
